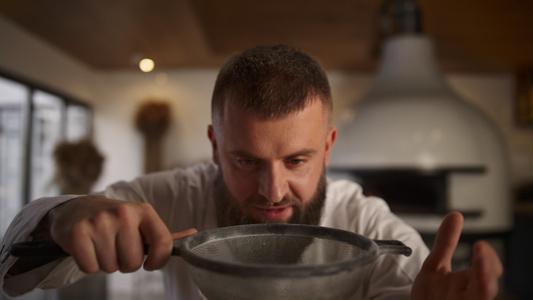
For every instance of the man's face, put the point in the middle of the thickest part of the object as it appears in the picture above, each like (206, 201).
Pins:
(272, 170)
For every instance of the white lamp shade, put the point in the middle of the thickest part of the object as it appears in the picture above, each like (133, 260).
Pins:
(409, 117)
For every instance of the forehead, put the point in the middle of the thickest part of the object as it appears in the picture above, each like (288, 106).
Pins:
(242, 131)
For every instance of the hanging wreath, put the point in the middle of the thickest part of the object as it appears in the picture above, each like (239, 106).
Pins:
(153, 118)
(78, 166)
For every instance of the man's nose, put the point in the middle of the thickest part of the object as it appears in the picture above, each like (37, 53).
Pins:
(273, 183)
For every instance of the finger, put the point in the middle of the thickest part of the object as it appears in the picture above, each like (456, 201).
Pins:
(130, 252)
(84, 255)
(105, 248)
(184, 234)
(446, 240)
(486, 269)
(486, 256)
(159, 240)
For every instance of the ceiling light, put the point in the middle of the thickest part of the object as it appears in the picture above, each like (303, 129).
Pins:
(146, 65)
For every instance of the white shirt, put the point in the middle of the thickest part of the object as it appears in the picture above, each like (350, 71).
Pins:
(184, 198)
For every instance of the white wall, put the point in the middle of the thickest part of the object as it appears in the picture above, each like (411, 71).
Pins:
(116, 95)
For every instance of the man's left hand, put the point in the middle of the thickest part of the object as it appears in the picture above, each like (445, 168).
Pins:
(437, 281)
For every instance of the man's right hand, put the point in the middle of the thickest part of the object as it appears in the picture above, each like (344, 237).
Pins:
(108, 235)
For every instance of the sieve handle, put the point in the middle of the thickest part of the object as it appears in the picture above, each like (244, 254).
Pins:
(393, 247)
(52, 249)
(37, 249)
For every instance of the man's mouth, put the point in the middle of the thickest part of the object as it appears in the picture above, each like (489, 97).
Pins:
(272, 213)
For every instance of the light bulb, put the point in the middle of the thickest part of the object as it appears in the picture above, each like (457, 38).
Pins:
(146, 65)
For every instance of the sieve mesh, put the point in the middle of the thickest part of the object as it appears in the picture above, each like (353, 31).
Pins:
(277, 249)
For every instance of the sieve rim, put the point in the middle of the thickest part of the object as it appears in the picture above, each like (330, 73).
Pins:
(368, 246)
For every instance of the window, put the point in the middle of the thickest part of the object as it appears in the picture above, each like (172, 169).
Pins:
(32, 121)
(47, 111)
(13, 123)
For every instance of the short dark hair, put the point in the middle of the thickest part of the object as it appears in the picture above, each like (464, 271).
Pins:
(271, 82)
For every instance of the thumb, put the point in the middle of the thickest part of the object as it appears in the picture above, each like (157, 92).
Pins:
(183, 234)
(486, 269)
(445, 243)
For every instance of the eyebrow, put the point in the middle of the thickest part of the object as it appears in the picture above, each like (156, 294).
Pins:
(305, 152)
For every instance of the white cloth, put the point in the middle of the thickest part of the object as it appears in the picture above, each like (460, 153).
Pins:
(184, 199)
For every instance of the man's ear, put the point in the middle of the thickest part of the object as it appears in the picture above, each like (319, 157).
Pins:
(330, 140)
(213, 139)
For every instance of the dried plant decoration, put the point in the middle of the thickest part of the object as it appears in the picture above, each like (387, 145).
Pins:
(153, 119)
(78, 166)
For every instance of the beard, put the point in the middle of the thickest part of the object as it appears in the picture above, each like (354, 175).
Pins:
(230, 213)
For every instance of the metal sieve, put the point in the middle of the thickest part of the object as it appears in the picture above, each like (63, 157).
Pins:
(279, 261)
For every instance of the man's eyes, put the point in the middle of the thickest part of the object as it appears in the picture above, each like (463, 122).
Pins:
(296, 161)
(246, 161)
(250, 162)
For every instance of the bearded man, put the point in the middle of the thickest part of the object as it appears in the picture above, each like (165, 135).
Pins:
(271, 138)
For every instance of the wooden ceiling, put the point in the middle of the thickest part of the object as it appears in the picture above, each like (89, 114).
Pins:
(469, 35)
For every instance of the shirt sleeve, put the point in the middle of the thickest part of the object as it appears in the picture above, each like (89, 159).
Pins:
(19, 230)
(392, 275)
